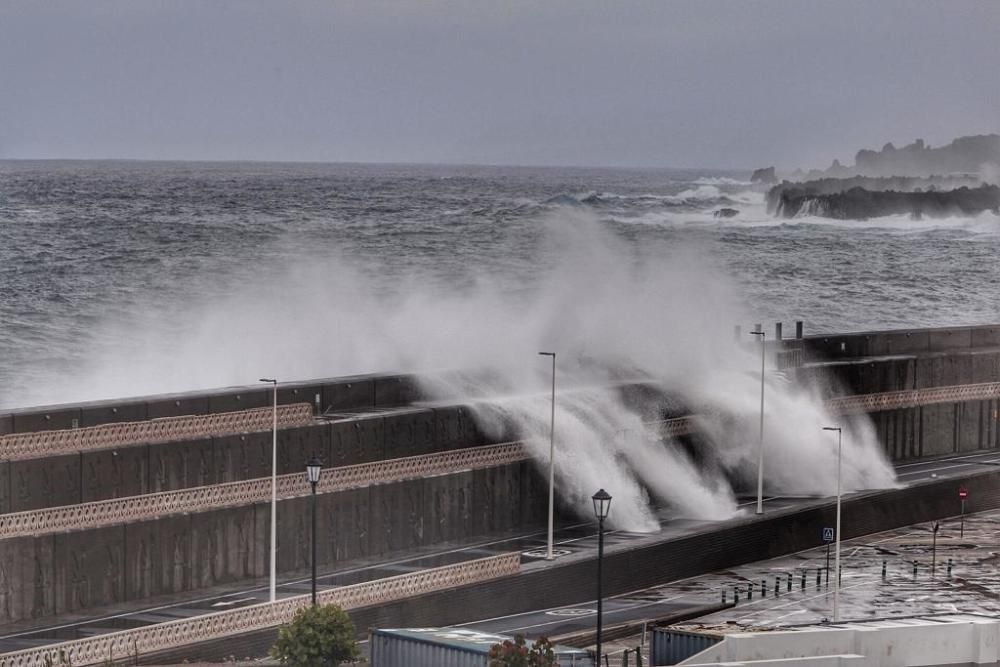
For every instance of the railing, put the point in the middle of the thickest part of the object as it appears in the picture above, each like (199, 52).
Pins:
(231, 494)
(149, 639)
(18, 446)
(913, 398)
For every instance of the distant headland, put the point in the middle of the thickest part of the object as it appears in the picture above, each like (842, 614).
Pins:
(961, 178)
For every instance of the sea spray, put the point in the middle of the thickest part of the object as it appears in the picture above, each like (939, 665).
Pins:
(613, 309)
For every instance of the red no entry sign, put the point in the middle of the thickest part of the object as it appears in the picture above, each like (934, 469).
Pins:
(963, 493)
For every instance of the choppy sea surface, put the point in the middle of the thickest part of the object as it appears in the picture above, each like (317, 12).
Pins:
(126, 277)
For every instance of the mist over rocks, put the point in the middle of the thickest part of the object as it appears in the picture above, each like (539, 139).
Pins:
(976, 155)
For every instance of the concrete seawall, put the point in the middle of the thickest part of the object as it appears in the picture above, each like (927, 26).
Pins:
(73, 571)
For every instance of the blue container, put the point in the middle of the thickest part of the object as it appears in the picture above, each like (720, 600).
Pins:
(449, 647)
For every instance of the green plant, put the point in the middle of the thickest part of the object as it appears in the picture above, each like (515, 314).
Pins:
(318, 636)
(517, 653)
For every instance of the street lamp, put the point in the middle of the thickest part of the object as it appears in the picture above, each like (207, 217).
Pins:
(312, 471)
(274, 487)
(552, 452)
(836, 558)
(602, 503)
(760, 447)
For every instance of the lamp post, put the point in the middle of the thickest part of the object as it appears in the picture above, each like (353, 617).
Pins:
(836, 558)
(760, 446)
(312, 471)
(274, 487)
(552, 452)
(602, 503)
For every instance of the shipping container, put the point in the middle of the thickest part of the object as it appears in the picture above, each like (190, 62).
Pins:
(670, 646)
(449, 647)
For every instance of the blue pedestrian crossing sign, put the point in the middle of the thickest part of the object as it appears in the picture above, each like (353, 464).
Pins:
(828, 534)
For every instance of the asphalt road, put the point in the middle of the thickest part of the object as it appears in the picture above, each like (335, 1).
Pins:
(574, 539)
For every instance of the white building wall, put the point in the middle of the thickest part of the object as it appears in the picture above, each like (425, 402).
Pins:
(920, 644)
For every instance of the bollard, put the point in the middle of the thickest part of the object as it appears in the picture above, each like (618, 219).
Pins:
(763, 588)
(819, 577)
(638, 657)
(803, 583)
(750, 592)
(914, 569)
(777, 587)
(736, 595)
(625, 655)
(789, 582)
(883, 569)
(949, 568)
(723, 596)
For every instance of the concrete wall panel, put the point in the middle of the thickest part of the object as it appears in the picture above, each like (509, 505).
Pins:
(941, 340)
(448, 507)
(304, 392)
(348, 394)
(46, 419)
(395, 521)
(48, 482)
(233, 400)
(294, 530)
(944, 370)
(223, 544)
(177, 405)
(357, 441)
(342, 526)
(26, 587)
(89, 568)
(410, 433)
(455, 427)
(986, 337)
(114, 473)
(395, 390)
(181, 465)
(158, 557)
(112, 412)
(937, 434)
(986, 367)
(297, 445)
(4, 487)
(239, 457)
(535, 495)
(969, 425)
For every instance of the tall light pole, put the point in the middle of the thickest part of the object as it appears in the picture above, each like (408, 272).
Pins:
(760, 446)
(552, 454)
(602, 503)
(836, 558)
(274, 488)
(313, 469)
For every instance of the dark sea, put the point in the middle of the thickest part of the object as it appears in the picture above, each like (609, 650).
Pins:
(119, 278)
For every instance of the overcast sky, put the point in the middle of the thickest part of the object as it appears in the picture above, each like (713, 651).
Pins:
(588, 82)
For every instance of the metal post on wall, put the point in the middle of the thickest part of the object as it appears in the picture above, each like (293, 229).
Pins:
(272, 585)
(602, 503)
(836, 565)
(552, 453)
(760, 445)
(313, 468)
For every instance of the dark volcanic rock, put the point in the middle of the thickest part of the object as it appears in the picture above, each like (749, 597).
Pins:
(726, 213)
(829, 186)
(765, 175)
(861, 204)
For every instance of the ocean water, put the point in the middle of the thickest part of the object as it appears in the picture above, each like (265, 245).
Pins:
(119, 278)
